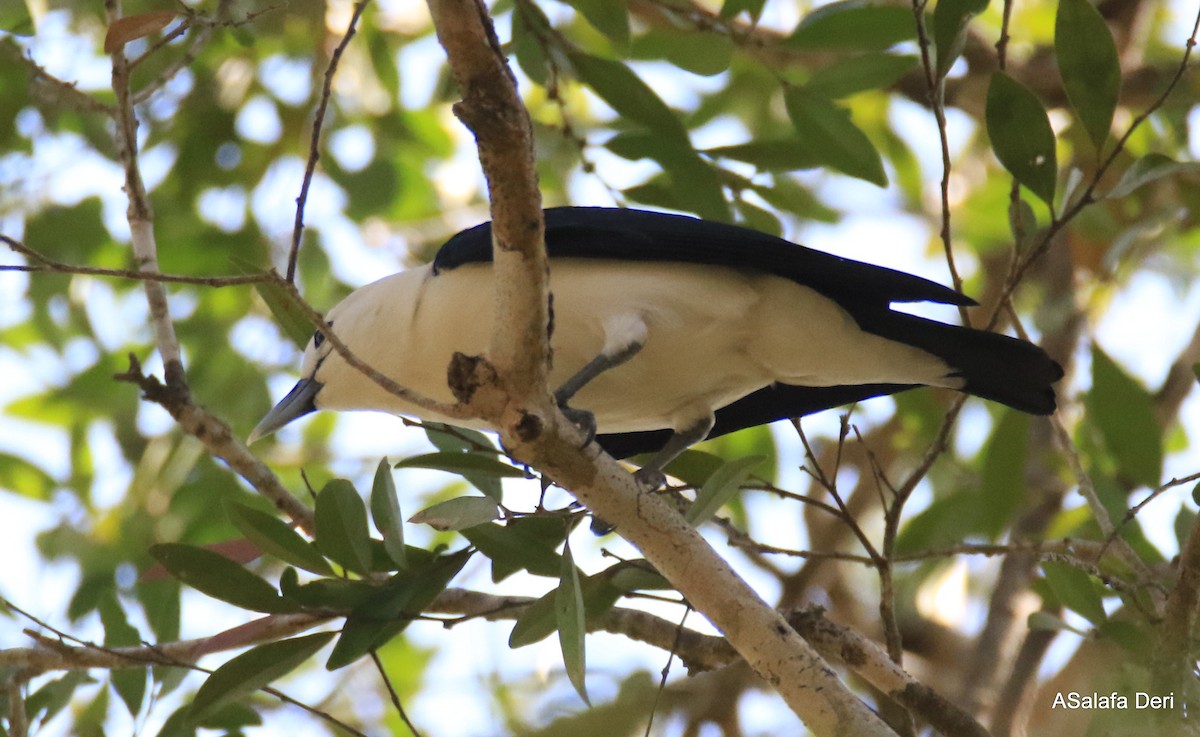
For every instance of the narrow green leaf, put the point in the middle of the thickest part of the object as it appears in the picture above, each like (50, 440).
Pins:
(569, 616)
(610, 17)
(276, 538)
(779, 154)
(514, 547)
(699, 52)
(385, 512)
(1049, 622)
(1003, 472)
(394, 606)
(540, 619)
(219, 577)
(627, 94)
(1076, 591)
(1124, 412)
(530, 53)
(1149, 168)
(725, 482)
(731, 8)
(458, 513)
(341, 532)
(860, 73)
(292, 320)
(1087, 60)
(129, 683)
(253, 670)
(451, 439)
(1021, 135)
(827, 132)
(463, 463)
(16, 19)
(853, 25)
(950, 19)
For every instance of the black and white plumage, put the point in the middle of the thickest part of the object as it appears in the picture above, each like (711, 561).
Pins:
(669, 329)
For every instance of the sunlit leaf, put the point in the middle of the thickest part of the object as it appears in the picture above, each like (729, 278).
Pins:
(1076, 590)
(1087, 60)
(254, 669)
(827, 132)
(610, 17)
(724, 483)
(1149, 168)
(458, 513)
(1123, 410)
(950, 19)
(1021, 135)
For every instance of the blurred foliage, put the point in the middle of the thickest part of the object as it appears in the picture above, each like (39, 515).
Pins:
(657, 103)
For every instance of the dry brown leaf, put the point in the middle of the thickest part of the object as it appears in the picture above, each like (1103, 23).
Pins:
(133, 27)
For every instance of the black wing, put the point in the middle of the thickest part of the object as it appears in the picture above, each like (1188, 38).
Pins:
(640, 235)
(775, 402)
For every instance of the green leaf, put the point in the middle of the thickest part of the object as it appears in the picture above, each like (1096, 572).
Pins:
(219, 577)
(1021, 135)
(385, 512)
(569, 616)
(276, 538)
(341, 532)
(827, 132)
(950, 19)
(458, 513)
(253, 670)
(1149, 168)
(292, 319)
(1076, 591)
(1124, 412)
(725, 482)
(540, 619)
(1048, 622)
(700, 52)
(853, 25)
(1003, 473)
(16, 19)
(459, 440)
(463, 463)
(731, 8)
(531, 55)
(1087, 60)
(779, 154)
(628, 95)
(860, 73)
(393, 606)
(610, 17)
(522, 544)
(129, 683)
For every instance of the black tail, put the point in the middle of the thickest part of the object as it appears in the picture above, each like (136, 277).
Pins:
(996, 367)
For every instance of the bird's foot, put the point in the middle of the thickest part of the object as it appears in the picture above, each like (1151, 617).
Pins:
(650, 478)
(582, 419)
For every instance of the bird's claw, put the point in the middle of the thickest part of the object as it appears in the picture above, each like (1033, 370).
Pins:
(582, 419)
(650, 479)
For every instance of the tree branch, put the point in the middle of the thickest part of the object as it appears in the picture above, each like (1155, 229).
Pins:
(509, 391)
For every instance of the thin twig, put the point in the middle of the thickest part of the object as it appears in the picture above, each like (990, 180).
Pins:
(314, 146)
(395, 697)
(47, 265)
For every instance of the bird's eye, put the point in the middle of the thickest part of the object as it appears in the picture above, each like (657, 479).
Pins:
(319, 337)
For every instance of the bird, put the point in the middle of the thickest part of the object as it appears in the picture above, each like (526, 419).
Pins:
(667, 330)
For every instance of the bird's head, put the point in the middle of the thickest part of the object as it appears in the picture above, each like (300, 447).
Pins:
(369, 322)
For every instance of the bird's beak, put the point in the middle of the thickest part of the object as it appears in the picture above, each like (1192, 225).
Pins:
(297, 403)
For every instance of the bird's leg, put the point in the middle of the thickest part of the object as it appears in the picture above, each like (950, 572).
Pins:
(651, 475)
(607, 359)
